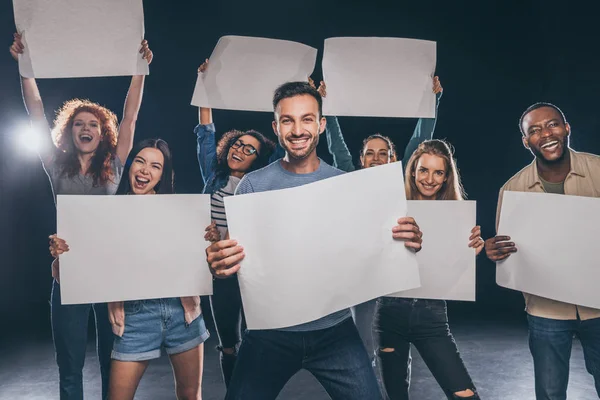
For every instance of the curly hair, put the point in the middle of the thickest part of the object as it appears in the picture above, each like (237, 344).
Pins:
(452, 188)
(62, 136)
(229, 138)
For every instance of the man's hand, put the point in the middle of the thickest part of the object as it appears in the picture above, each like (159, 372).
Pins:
(408, 230)
(224, 258)
(498, 248)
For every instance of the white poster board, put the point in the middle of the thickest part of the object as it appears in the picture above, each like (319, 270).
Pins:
(80, 38)
(327, 249)
(133, 247)
(243, 72)
(379, 77)
(557, 239)
(446, 263)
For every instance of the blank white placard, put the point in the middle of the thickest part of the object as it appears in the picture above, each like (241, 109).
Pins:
(133, 247)
(243, 72)
(80, 38)
(322, 247)
(556, 238)
(379, 77)
(446, 262)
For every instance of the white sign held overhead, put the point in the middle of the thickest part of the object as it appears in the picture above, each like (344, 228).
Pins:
(324, 251)
(379, 77)
(243, 72)
(133, 247)
(556, 238)
(83, 38)
(446, 263)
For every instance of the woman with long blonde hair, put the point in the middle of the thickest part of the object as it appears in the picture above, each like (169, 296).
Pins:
(430, 174)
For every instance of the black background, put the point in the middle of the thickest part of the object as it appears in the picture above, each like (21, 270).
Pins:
(494, 60)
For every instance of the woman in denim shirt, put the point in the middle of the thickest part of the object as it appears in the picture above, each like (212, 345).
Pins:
(222, 166)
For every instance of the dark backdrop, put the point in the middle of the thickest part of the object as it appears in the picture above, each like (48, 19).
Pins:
(494, 60)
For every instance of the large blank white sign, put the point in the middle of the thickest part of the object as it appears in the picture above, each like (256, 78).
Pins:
(133, 247)
(446, 262)
(322, 247)
(80, 38)
(243, 72)
(379, 77)
(557, 246)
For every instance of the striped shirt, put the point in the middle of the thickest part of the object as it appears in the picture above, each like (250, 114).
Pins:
(274, 177)
(218, 207)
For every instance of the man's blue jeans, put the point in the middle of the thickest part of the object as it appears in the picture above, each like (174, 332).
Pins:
(550, 342)
(336, 356)
(70, 334)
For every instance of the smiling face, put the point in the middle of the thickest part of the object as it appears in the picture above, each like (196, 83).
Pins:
(298, 125)
(86, 132)
(376, 152)
(243, 153)
(430, 175)
(546, 134)
(146, 170)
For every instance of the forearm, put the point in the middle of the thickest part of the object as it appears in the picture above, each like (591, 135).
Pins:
(133, 102)
(342, 158)
(423, 131)
(32, 99)
(205, 116)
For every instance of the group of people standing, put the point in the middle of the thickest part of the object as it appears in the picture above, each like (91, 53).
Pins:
(94, 154)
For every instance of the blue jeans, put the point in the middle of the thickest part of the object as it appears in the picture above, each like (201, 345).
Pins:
(550, 342)
(267, 359)
(70, 335)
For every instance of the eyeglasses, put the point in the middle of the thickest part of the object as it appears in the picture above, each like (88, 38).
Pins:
(247, 149)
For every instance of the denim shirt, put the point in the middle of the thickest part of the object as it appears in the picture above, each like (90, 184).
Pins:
(342, 159)
(207, 158)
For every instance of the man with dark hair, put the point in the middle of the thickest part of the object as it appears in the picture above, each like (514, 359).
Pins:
(329, 347)
(555, 169)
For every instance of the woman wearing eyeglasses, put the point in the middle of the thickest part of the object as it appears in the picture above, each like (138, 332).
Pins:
(222, 166)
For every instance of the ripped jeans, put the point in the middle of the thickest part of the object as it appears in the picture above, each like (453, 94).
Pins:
(399, 322)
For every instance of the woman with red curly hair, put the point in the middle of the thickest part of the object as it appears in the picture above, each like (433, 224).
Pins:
(90, 149)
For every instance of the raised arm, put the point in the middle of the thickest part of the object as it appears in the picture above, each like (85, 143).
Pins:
(342, 159)
(205, 136)
(425, 126)
(132, 109)
(33, 102)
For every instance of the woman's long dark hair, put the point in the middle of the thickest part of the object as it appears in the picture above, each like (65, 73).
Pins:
(229, 138)
(166, 185)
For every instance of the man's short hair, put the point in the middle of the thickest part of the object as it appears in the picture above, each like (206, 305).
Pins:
(292, 89)
(535, 107)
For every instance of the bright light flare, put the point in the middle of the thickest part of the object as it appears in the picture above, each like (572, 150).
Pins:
(29, 138)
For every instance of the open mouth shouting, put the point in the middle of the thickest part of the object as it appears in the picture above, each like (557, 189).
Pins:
(140, 182)
(85, 138)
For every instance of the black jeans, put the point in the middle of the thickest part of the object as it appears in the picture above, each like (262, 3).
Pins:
(424, 323)
(226, 304)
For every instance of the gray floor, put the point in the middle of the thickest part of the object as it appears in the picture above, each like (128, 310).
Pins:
(495, 353)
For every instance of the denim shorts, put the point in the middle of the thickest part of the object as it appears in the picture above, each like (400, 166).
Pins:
(156, 323)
